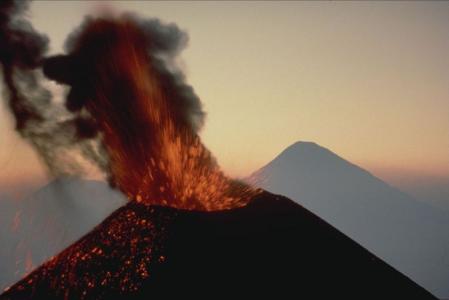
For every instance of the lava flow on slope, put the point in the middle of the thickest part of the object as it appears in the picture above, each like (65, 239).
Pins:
(125, 91)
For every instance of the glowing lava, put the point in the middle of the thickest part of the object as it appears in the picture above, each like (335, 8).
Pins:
(115, 258)
(155, 154)
(155, 157)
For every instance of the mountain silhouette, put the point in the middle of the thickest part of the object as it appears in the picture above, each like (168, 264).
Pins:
(271, 247)
(41, 225)
(409, 235)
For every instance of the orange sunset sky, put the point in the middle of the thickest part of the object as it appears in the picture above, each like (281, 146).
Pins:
(368, 80)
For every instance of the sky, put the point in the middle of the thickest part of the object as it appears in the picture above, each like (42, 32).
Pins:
(367, 80)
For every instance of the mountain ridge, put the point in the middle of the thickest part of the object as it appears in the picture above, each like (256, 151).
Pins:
(252, 249)
(303, 146)
(403, 231)
(45, 222)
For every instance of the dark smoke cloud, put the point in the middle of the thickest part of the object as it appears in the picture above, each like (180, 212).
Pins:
(163, 43)
(21, 50)
(57, 132)
(50, 130)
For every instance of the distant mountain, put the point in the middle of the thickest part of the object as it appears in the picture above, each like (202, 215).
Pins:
(411, 236)
(271, 248)
(434, 192)
(40, 226)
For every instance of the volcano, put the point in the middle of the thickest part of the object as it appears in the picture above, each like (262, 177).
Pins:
(41, 225)
(187, 228)
(271, 246)
(404, 232)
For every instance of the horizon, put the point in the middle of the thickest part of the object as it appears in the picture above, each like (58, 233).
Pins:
(414, 186)
(366, 80)
(142, 142)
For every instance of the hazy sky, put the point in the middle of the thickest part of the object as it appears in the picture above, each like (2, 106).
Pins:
(368, 80)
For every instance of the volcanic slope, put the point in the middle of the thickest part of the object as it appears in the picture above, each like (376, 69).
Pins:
(272, 246)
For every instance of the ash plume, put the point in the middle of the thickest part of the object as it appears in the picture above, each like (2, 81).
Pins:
(49, 128)
(57, 132)
(122, 72)
(161, 42)
(129, 109)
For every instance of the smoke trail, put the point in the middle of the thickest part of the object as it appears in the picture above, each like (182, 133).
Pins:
(122, 71)
(21, 51)
(129, 109)
(53, 133)
(162, 43)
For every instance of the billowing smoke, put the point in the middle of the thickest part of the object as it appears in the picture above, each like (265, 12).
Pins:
(124, 81)
(55, 132)
(129, 109)
(49, 128)
(161, 42)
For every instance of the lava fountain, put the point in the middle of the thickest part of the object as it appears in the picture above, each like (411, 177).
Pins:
(126, 92)
(187, 229)
(128, 95)
(155, 155)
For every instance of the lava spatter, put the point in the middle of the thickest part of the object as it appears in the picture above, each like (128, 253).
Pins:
(125, 94)
(115, 258)
(146, 121)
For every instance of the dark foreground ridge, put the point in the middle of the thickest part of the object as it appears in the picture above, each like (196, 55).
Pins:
(272, 246)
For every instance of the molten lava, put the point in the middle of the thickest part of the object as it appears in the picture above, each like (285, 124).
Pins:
(157, 245)
(155, 155)
(155, 158)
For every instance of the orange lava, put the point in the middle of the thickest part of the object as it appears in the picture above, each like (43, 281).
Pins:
(116, 258)
(154, 157)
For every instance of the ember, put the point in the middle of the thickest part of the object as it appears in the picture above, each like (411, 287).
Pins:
(121, 251)
(126, 92)
(147, 125)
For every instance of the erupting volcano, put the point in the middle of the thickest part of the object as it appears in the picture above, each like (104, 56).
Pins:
(147, 117)
(187, 229)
